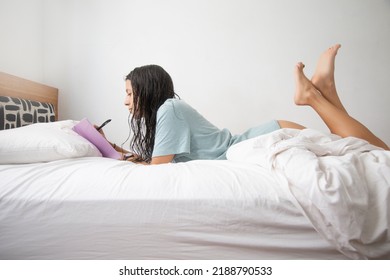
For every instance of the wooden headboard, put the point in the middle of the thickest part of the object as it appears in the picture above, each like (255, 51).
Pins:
(21, 88)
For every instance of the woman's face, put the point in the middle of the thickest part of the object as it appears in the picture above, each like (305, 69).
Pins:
(129, 99)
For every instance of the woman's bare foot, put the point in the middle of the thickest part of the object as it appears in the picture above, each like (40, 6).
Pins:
(323, 78)
(305, 91)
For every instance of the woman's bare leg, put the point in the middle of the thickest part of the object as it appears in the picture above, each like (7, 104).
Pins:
(323, 78)
(337, 119)
(288, 124)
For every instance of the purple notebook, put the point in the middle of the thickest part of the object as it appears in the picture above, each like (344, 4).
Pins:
(85, 129)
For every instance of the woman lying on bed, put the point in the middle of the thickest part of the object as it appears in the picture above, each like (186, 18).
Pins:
(167, 129)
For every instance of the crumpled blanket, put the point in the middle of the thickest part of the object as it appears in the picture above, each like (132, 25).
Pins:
(342, 185)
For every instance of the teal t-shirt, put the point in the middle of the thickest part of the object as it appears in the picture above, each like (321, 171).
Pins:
(183, 132)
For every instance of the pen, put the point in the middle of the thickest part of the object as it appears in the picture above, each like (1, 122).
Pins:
(103, 124)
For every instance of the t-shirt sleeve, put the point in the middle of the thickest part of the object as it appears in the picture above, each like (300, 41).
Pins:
(172, 132)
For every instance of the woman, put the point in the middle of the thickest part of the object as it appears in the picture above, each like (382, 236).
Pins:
(167, 129)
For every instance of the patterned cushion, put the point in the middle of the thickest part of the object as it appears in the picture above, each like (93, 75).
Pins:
(17, 112)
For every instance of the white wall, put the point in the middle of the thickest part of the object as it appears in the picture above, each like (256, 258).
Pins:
(232, 60)
(21, 38)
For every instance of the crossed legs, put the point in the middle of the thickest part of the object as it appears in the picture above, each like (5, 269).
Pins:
(320, 93)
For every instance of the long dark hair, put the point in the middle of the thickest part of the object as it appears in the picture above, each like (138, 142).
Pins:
(152, 86)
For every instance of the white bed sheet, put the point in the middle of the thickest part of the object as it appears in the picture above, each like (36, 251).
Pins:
(98, 208)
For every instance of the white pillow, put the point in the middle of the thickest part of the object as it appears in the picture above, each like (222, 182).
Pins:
(44, 142)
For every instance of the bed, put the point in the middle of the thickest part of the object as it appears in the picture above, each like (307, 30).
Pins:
(60, 199)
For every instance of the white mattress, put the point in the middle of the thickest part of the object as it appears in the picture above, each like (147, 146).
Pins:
(98, 208)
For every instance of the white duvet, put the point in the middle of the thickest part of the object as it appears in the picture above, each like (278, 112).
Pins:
(342, 185)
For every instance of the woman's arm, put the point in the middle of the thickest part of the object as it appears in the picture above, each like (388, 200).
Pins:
(162, 159)
(135, 158)
(119, 149)
(155, 160)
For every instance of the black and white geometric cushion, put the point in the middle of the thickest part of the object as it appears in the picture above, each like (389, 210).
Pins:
(17, 112)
